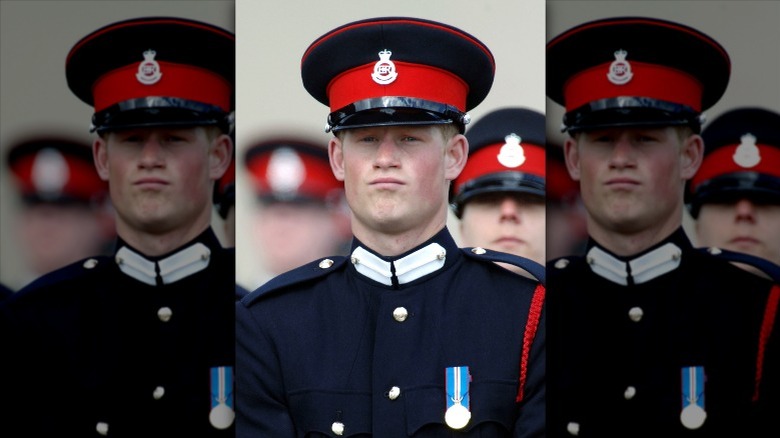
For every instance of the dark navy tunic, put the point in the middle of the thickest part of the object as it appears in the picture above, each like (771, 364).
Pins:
(325, 349)
(621, 356)
(93, 351)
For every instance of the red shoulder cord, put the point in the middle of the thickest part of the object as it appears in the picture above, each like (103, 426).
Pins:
(531, 325)
(766, 328)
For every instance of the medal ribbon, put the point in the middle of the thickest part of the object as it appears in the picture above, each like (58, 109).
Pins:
(221, 380)
(458, 386)
(693, 386)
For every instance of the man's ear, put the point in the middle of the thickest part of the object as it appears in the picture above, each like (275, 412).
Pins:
(336, 156)
(692, 156)
(572, 156)
(220, 156)
(100, 157)
(455, 156)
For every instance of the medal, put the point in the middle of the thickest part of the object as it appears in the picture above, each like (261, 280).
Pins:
(222, 414)
(693, 414)
(457, 414)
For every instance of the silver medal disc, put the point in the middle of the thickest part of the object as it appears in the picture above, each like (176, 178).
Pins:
(457, 416)
(693, 416)
(221, 416)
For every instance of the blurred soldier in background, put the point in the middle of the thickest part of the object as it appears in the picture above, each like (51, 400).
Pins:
(301, 213)
(567, 232)
(500, 195)
(735, 195)
(65, 212)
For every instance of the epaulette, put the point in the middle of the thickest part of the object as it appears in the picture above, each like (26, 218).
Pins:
(307, 272)
(765, 266)
(530, 266)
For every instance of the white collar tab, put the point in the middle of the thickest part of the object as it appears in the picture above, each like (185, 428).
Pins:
(424, 261)
(644, 268)
(181, 264)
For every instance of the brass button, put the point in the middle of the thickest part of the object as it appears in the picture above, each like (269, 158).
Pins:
(636, 314)
(165, 314)
(400, 314)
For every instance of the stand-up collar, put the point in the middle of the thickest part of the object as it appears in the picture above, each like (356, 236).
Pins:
(394, 271)
(166, 269)
(656, 261)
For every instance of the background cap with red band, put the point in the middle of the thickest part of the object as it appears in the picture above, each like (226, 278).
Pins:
(635, 71)
(55, 170)
(741, 159)
(397, 71)
(506, 154)
(155, 71)
(291, 170)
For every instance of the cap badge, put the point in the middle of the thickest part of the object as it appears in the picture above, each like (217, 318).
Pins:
(620, 70)
(747, 153)
(50, 173)
(384, 70)
(286, 172)
(149, 70)
(511, 153)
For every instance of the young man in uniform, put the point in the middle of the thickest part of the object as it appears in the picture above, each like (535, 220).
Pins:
(140, 343)
(301, 214)
(410, 335)
(647, 335)
(499, 196)
(735, 195)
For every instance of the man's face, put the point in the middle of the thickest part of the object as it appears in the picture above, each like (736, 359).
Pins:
(631, 179)
(507, 222)
(396, 177)
(741, 225)
(160, 179)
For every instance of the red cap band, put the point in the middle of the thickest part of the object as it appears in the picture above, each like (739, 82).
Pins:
(721, 162)
(485, 161)
(421, 81)
(317, 180)
(649, 80)
(83, 181)
(177, 80)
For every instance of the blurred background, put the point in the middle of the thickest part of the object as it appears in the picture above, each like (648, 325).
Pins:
(35, 37)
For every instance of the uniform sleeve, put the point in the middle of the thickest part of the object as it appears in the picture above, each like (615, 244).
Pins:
(531, 421)
(261, 409)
